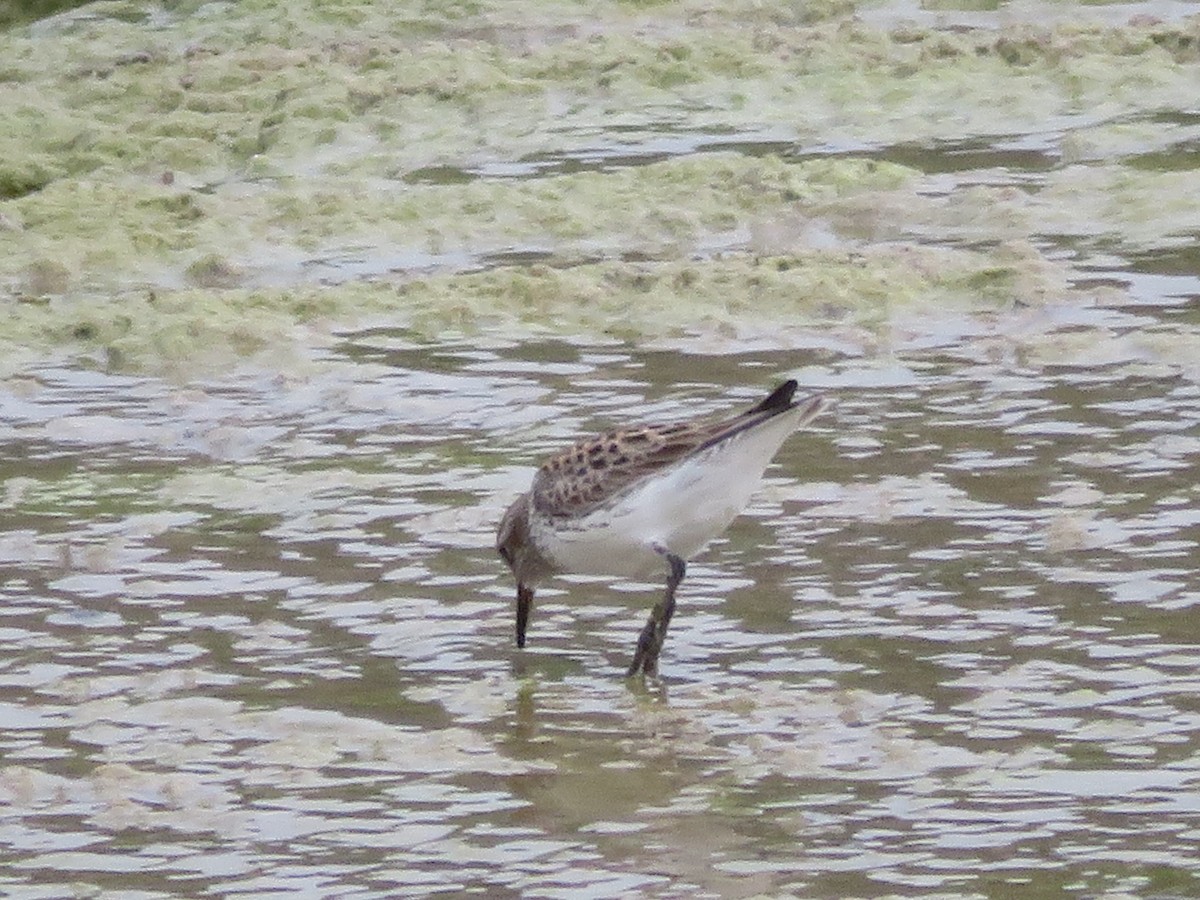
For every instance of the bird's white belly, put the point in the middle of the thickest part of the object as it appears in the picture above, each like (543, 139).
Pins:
(602, 549)
(679, 510)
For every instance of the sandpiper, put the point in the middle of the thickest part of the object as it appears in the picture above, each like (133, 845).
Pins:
(642, 498)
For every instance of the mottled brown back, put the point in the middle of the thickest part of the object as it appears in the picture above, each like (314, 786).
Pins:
(583, 477)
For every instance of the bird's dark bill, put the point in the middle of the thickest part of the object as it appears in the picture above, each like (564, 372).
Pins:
(524, 604)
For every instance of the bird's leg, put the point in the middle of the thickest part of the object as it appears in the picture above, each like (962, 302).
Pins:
(650, 641)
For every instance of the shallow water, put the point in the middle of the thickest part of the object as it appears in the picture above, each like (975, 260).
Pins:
(258, 641)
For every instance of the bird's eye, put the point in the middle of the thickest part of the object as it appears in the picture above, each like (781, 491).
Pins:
(505, 554)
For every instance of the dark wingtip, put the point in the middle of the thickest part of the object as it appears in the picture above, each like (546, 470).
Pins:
(779, 399)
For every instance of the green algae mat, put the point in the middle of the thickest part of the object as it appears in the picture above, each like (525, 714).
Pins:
(190, 183)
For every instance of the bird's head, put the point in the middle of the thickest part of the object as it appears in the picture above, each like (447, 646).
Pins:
(516, 549)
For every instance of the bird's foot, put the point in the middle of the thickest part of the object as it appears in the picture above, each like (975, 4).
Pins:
(649, 644)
